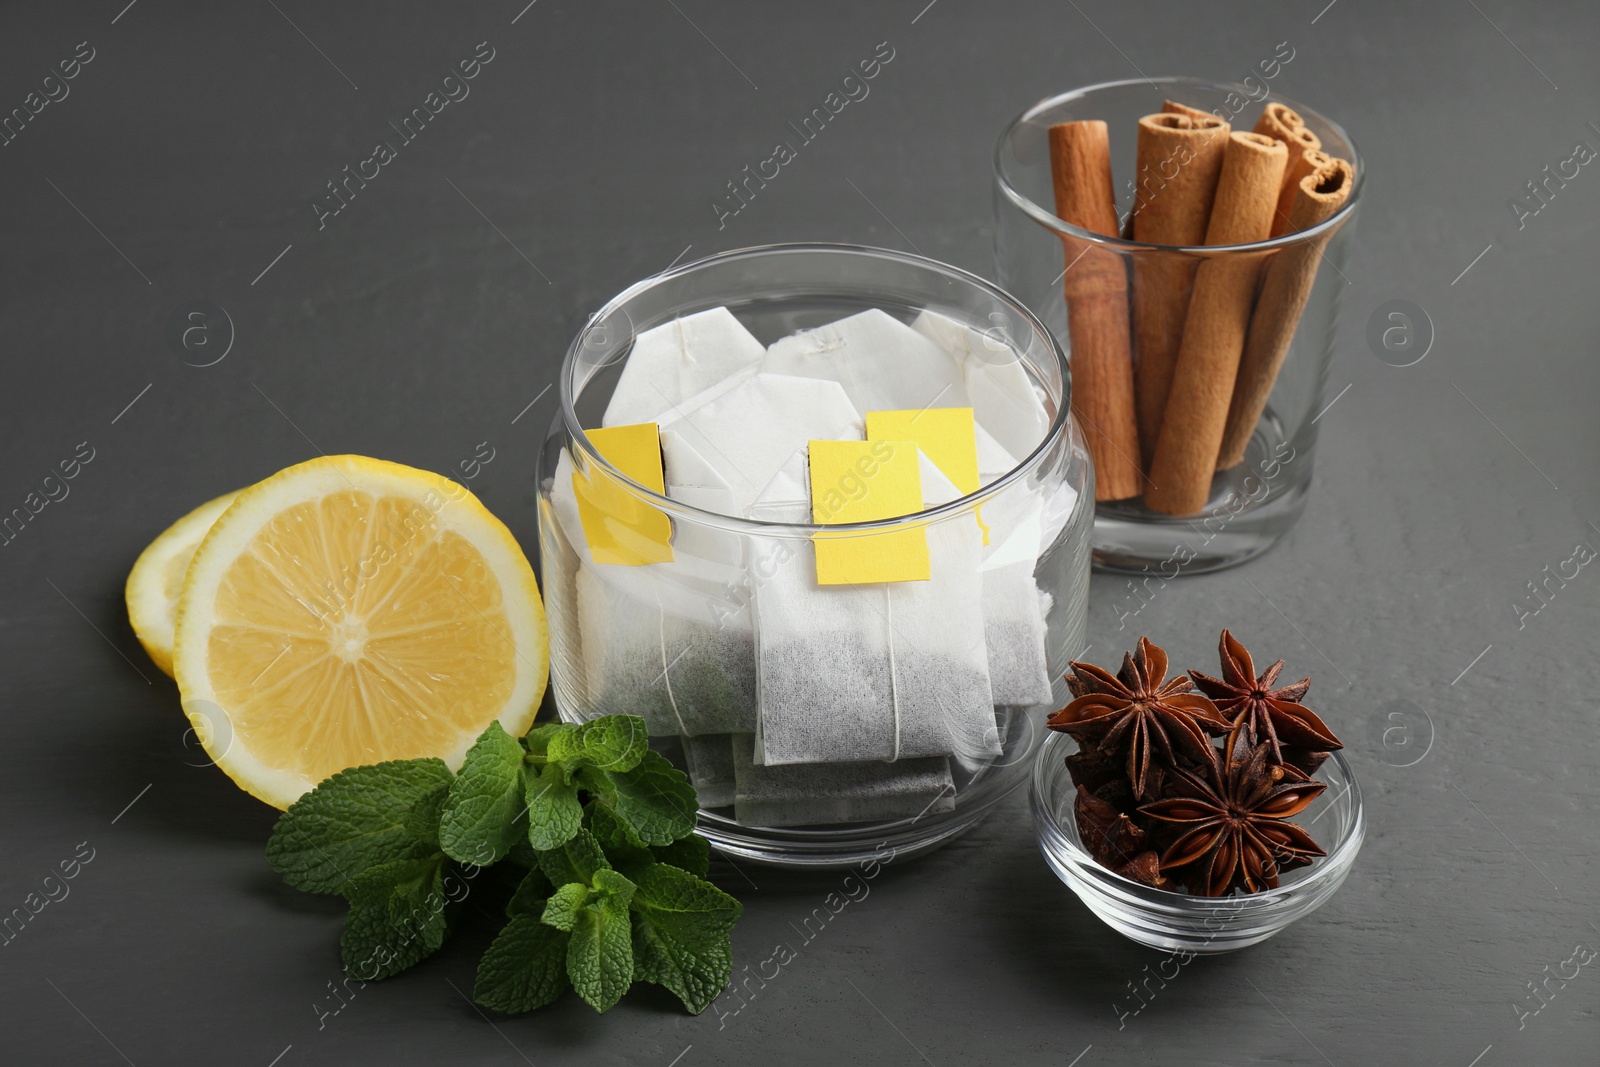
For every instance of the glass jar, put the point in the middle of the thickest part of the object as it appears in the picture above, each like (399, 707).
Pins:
(1261, 491)
(683, 642)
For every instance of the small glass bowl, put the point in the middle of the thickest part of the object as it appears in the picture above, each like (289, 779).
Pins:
(1176, 922)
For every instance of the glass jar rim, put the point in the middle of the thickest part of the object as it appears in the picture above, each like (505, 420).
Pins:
(1045, 765)
(1048, 217)
(704, 517)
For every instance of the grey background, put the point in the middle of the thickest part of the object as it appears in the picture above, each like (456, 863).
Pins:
(413, 327)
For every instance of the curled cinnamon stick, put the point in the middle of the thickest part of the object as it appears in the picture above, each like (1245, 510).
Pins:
(1285, 288)
(1305, 162)
(1172, 107)
(1179, 160)
(1096, 288)
(1283, 123)
(1214, 328)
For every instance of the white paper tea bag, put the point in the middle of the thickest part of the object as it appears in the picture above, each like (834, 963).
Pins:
(682, 675)
(874, 671)
(662, 641)
(1003, 400)
(746, 433)
(678, 360)
(709, 762)
(697, 483)
(883, 364)
(1014, 607)
(814, 794)
(559, 563)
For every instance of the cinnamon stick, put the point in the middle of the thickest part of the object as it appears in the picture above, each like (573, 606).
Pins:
(1214, 328)
(1096, 289)
(1283, 123)
(1179, 160)
(1302, 163)
(1172, 107)
(1285, 288)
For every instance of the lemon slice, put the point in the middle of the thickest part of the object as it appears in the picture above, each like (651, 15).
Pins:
(349, 611)
(157, 579)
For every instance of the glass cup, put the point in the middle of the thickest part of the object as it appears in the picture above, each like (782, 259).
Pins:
(1177, 922)
(1254, 501)
(683, 644)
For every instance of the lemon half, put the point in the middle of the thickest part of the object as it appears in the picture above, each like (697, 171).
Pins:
(156, 580)
(349, 611)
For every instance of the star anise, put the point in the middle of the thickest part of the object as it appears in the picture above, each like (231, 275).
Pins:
(1115, 841)
(1142, 712)
(1109, 835)
(1273, 716)
(1230, 816)
(1103, 774)
(1145, 868)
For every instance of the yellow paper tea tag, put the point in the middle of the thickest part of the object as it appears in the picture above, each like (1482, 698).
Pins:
(861, 481)
(948, 435)
(619, 526)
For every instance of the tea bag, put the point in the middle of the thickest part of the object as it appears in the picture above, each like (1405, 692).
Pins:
(869, 672)
(678, 360)
(671, 747)
(709, 759)
(1014, 607)
(883, 364)
(746, 433)
(662, 641)
(559, 566)
(810, 794)
(695, 481)
(1003, 400)
(684, 676)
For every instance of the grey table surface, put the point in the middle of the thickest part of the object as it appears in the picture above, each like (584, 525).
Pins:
(429, 315)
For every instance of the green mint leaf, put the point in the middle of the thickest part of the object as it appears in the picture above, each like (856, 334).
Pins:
(609, 884)
(554, 813)
(574, 861)
(654, 799)
(561, 910)
(397, 917)
(422, 821)
(537, 740)
(524, 968)
(622, 847)
(680, 934)
(358, 818)
(483, 817)
(692, 854)
(628, 854)
(610, 743)
(600, 952)
(530, 895)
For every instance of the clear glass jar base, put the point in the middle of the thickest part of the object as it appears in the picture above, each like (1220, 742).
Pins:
(831, 849)
(1251, 507)
(839, 846)
(1164, 547)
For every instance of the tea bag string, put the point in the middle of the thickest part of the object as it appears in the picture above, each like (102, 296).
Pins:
(683, 342)
(666, 668)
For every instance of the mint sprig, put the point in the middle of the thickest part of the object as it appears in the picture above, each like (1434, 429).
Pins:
(614, 890)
